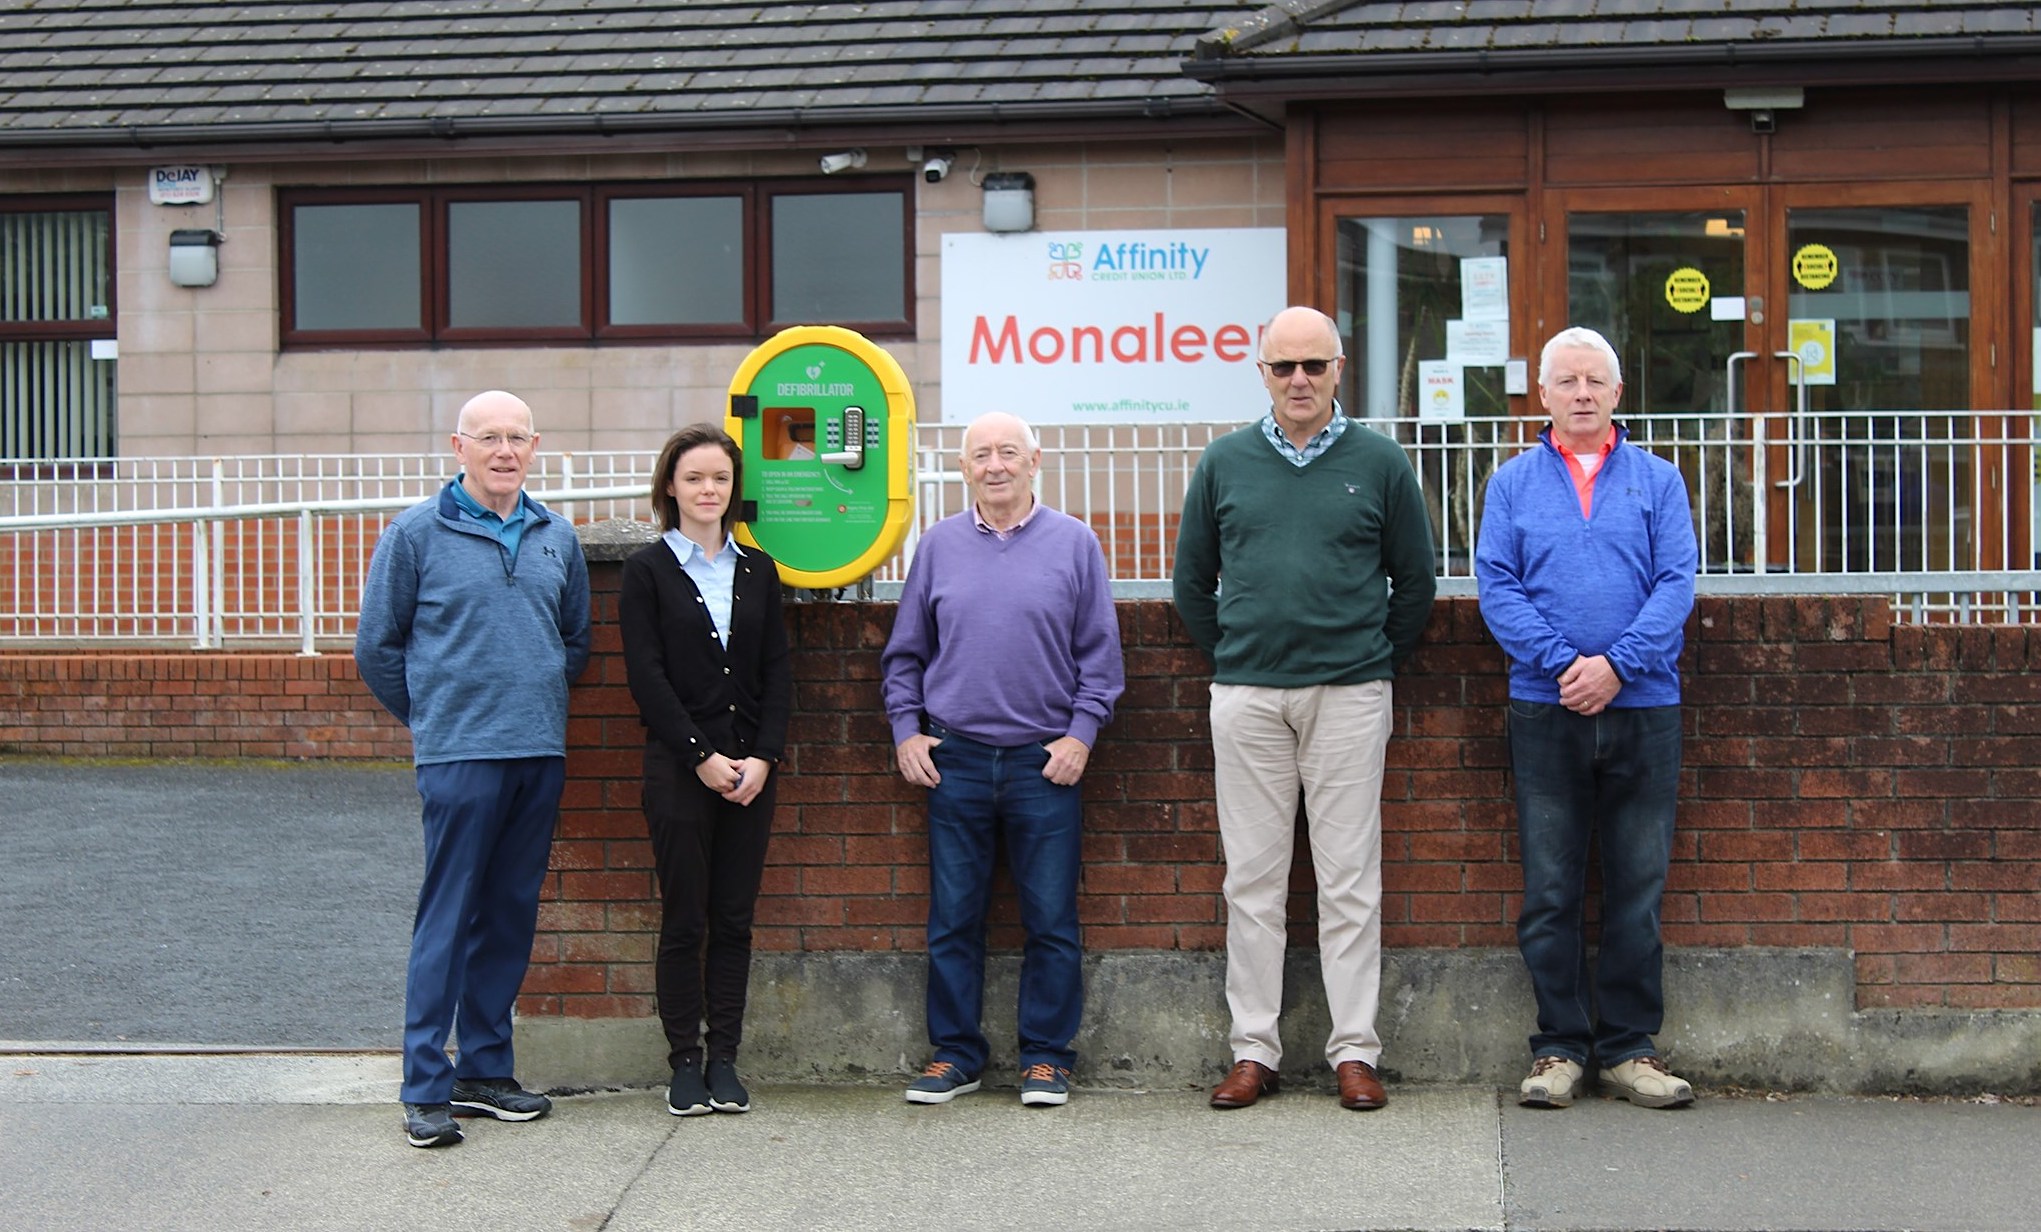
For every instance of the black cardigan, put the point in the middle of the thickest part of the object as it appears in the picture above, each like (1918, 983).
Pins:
(693, 695)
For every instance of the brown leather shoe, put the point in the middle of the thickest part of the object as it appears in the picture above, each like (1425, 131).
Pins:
(1359, 1088)
(1248, 1081)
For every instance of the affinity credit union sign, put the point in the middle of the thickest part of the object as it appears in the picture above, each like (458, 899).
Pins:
(1108, 326)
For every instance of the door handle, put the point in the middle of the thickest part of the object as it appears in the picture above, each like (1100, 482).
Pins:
(1729, 379)
(1796, 470)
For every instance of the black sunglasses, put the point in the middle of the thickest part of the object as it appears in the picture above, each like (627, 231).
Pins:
(1282, 369)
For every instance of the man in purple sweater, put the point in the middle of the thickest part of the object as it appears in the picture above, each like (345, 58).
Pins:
(1586, 562)
(1003, 664)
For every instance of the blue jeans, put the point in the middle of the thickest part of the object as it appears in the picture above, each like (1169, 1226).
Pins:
(488, 833)
(984, 789)
(1613, 778)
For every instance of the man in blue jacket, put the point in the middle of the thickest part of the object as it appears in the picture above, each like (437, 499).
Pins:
(1585, 563)
(474, 619)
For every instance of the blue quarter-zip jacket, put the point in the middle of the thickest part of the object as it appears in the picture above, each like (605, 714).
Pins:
(1555, 585)
(470, 647)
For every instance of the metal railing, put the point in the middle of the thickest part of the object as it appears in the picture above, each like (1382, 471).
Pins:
(1931, 508)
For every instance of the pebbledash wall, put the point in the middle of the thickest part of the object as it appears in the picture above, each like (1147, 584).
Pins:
(1855, 900)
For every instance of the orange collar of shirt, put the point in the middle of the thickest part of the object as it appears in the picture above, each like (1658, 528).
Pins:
(1583, 482)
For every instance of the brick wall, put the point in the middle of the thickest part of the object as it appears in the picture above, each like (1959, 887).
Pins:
(184, 704)
(1849, 783)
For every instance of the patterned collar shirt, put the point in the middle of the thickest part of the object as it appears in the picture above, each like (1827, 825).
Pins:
(1314, 448)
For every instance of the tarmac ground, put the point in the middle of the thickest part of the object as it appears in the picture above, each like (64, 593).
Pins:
(200, 997)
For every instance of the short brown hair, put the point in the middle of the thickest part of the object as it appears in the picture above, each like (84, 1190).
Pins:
(694, 436)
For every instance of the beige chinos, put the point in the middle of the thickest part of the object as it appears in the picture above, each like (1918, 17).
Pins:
(1267, 743)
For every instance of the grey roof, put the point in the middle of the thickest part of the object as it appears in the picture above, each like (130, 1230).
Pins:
(1359, 36)
(78, 71)
(77, 74)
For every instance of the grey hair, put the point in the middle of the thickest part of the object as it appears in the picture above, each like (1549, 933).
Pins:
(1582, 337)
(1028, 436)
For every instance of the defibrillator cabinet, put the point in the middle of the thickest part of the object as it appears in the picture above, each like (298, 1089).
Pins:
(825, 421)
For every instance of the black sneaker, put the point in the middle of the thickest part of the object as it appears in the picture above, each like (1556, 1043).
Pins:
(430, 1125)
(687, 1096)
(726, 1093)
(501, 1098)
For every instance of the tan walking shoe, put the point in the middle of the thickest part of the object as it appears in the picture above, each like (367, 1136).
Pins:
(1551, 1084)
(1646, 1082)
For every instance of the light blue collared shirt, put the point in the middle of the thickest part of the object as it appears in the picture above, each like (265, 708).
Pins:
(715, 576)
(509, 531)
(1313, 448)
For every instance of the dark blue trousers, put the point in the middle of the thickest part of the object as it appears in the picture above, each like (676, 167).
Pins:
(986, 789)
(488, 833)
(1612, 779)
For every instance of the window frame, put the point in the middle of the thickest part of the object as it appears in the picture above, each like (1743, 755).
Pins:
(287, 268)
(87, 327)
(435, 203)
(747, 235)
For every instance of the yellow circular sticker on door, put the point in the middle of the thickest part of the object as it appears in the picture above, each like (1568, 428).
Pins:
(1686, 289)
(1815, 266)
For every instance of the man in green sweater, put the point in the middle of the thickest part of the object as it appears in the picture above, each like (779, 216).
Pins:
(1316, 526)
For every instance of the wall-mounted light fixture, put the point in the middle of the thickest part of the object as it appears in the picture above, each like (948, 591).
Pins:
(1764, 103)
(843, 160)
(1009, 201)
(195, 257)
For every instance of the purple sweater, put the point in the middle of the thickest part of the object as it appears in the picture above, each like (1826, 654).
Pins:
(1007, 643)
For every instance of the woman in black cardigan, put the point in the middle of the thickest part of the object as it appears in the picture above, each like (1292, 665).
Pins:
(705, 650)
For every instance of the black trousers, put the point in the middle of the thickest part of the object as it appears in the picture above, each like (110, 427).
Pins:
(709, 855)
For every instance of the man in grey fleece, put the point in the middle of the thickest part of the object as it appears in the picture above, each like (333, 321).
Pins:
(474, 619)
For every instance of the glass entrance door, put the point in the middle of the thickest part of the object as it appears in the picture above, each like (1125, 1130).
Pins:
(1878, 312)
(1423, 298)
(1809, 366)
(1666, 287)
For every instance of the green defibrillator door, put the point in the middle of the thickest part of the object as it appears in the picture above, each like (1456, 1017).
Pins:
(825, 421)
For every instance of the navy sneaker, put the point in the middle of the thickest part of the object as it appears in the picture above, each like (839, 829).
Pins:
(940, 1083)
(726, 1093)
(430, 1125)
(501, 1098)
(688, 1096)
(1045, 1085)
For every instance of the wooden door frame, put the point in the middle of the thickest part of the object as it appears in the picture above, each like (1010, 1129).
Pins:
(1987, 274)
(1335, 207)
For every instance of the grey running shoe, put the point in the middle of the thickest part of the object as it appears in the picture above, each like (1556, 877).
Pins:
(430, 1125)
(501, 1098)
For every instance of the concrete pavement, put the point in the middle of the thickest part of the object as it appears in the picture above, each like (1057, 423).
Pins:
(313, 1142)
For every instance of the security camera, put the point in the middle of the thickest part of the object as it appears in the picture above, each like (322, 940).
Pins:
(843, 160)
(936, 168)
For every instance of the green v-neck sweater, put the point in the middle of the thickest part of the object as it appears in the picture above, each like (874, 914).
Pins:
(1292, 576)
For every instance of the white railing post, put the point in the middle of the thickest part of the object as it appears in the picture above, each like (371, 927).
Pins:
(201, 584)
(217, 626)
(308, 584)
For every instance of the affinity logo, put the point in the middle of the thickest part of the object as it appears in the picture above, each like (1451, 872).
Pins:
(1066, 261)
(1136, 261)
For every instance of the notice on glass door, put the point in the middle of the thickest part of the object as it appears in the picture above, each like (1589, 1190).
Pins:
(1477, 344)
(1814, 342)
(1484, 288)
(1439, 398)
